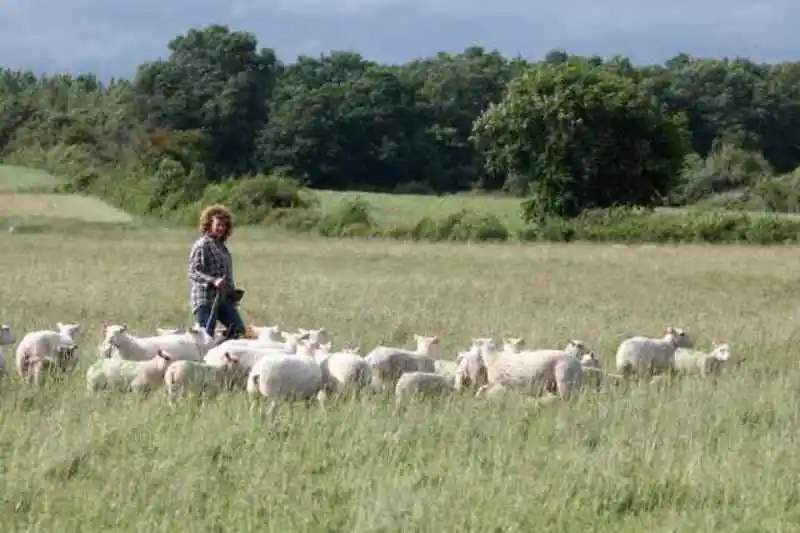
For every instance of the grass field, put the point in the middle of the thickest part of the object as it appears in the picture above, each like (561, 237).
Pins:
(397, 209)
(59, 206)
(695, 457)
(16, 178)
(27, 201)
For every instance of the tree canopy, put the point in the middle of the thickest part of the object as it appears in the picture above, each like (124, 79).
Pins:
(566, 133)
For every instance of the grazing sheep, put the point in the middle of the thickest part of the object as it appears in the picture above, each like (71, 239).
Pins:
(644, 356)
(422, 384)
(43, 350)
(248, 352)
(126, 374)
(190, 345)
(389, 363)
(536, 372)
(198, 376)
(284, 376)
(343, 373)
(706, 364)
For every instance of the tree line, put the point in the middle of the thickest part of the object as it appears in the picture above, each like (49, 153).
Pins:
(220, 116)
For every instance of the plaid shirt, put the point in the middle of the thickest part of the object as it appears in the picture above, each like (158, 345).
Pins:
(209, 259)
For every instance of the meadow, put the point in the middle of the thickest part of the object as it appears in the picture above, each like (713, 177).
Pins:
(695, 457)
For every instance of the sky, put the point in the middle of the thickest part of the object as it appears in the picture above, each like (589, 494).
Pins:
(112, 37)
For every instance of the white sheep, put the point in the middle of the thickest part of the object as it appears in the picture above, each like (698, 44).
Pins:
(389, 363)
(269, 333)
(344, 372)
(319, 336)
(126, 374)
(422, 384)
(248, 351)
(197, 376)
(513, 344)
(284, 376)
(536, 372)
(6, 335)
(190, 345)
(644, 356)
(446, 368)
(167, 331)
(471, 369)
(43, 350)
(707, 364)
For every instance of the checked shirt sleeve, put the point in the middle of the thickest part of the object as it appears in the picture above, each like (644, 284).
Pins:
(200, 264)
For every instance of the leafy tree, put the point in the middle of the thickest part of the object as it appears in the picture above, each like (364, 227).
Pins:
(577, 136)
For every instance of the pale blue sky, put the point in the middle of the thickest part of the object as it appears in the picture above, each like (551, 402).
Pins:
(111, 37)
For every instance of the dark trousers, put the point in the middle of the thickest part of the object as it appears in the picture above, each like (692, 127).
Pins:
(227, 314)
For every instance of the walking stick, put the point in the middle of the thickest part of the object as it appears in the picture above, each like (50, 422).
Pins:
(212, 317)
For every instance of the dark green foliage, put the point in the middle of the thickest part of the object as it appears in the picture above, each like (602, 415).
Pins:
(220, 119)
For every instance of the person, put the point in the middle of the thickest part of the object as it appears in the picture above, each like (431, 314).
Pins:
(211, 272)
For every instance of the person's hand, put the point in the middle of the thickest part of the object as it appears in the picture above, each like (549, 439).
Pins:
(220, 284)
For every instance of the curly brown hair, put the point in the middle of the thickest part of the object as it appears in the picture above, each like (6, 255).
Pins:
(215, 211)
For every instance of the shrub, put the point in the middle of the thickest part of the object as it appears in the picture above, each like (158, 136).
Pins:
(638, 225)
(355, 212)
(253, 198)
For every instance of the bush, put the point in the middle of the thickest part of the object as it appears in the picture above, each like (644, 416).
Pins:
(253, 198)
(352, 217)
(639, 225)
(727, 168)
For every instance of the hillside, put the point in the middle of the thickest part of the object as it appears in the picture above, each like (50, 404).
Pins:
(23, 202)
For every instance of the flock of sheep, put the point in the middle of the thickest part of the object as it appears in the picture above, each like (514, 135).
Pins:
(301, 365)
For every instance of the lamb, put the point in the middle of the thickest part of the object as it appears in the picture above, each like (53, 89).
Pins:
(343, 373)
(422, 384)
(553, 371)
(191, 345)
(471, 370)
(513, 344)
(388, 363)
(319, 336)
(6, 335)
(446, 368)
(248, 352)
(126, 374)
(643, 356)
(707, 364)
(268, 333)
(46, 350)
(198, 376)
(284, 376)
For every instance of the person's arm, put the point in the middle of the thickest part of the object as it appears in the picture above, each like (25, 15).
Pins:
(197, 265)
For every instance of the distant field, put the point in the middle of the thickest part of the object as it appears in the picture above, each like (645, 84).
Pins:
(59, 206)
(14, 178)
(394, 209)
